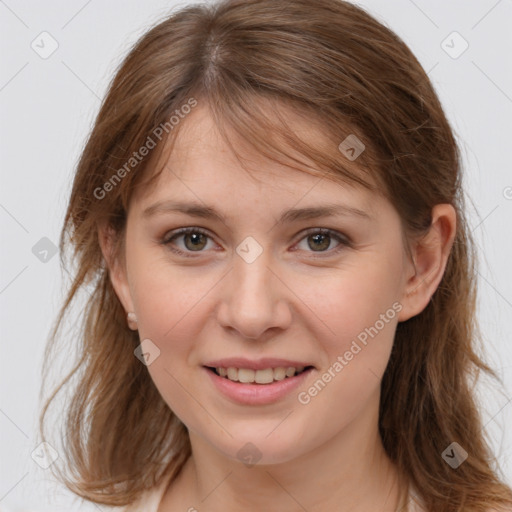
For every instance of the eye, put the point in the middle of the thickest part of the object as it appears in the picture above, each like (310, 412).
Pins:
(196, 239)
(320, 238)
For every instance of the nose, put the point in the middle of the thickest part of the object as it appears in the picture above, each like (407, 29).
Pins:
(255, 299)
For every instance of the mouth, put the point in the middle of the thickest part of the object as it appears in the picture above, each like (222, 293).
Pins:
(258, 377)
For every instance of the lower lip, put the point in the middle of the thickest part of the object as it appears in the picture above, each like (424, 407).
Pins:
(257, 394)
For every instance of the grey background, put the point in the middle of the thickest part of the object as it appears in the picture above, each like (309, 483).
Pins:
(48, 105)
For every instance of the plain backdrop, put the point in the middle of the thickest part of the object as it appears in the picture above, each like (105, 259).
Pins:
(48, 104)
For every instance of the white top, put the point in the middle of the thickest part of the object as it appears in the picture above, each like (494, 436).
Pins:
(414, 503)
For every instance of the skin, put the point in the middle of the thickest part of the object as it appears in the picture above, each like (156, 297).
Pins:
(308, 304)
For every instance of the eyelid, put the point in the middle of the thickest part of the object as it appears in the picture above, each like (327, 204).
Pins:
(343, 239)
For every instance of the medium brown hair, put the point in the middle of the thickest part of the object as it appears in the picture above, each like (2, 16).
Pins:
(346, 74)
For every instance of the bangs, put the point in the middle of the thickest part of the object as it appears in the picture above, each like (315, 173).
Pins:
(277, 129)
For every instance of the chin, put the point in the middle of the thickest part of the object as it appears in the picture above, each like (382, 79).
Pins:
(259, 448)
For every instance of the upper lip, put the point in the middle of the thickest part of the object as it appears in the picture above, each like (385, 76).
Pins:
(260, 364)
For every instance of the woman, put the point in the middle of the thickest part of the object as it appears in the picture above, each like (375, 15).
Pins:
(225, 365)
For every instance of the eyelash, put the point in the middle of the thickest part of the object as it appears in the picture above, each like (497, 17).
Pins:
(343, 240)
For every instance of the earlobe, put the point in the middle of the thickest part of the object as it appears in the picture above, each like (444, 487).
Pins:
(430, 256)
(116, 270)
(131, 320)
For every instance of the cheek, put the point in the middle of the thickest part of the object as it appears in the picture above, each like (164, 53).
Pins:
(169, 310)
(358, 303)
(169, 299)
(356, 331)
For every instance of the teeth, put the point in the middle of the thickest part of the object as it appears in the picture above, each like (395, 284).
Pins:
(246, 375)
(279, 373)
(265, 376)
(290, 371)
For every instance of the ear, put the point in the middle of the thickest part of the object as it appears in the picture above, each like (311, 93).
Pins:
(116, 267)
(430, 255)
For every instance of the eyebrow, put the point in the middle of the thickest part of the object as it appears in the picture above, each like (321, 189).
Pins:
(292, 215)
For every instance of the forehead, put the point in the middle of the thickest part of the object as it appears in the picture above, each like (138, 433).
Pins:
(201, 165)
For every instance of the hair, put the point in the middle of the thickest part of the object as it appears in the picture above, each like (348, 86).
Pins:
(344, 73)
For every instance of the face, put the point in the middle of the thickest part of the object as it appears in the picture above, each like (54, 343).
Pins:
(260, 290)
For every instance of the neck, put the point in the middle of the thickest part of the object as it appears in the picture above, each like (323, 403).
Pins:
(348, 473)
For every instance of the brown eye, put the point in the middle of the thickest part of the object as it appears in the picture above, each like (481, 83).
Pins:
(320, 239)
(194, 240)
(197, 241)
